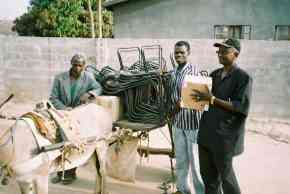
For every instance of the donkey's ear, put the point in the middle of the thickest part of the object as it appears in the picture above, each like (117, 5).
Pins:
(49, 105)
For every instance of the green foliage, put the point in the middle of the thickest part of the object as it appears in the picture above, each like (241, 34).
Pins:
(61, 18)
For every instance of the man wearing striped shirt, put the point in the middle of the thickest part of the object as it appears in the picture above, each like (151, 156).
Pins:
(185, 124)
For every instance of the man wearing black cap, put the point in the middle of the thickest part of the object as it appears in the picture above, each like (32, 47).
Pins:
(222, 127)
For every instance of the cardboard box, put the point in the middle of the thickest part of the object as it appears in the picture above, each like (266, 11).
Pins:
(190, 83)
(113, 104)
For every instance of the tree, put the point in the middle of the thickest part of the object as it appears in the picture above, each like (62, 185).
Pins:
(62, 18)
(92, 21)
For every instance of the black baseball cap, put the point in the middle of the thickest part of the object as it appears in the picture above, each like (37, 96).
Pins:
(230, 43)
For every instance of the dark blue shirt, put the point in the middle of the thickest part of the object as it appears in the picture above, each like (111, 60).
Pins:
(223, 130)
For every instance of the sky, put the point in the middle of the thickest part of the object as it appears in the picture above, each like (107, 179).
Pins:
(10, 9)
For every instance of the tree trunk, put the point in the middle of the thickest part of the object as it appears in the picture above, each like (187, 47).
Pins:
(100, 17)
(93, 35)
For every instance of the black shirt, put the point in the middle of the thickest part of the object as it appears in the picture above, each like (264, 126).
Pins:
(222, 130)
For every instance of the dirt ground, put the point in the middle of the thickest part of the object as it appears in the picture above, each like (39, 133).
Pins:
(262, 168)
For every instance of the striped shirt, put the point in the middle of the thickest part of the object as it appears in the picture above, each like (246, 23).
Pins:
(187, 119)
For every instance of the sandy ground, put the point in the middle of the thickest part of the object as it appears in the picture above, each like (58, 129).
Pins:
(263, 168)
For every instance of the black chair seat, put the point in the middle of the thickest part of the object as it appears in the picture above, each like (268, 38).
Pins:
(136, 127)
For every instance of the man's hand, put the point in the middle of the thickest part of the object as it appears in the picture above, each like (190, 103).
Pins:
(178, 106)
(176, 109)
(201, 96)
(85, 98)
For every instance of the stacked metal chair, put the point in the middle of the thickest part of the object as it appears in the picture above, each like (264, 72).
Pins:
(143, 88)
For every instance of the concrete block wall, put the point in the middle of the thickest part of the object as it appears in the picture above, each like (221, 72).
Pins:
(28, 65)
(269, 64)
(2, 88)
(267, 61)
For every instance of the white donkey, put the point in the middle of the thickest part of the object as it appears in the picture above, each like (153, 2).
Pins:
(18, 151)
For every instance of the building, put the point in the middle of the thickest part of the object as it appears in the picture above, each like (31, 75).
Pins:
(6, 27)
(243, 19)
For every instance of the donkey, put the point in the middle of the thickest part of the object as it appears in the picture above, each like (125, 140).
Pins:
(31, 169)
